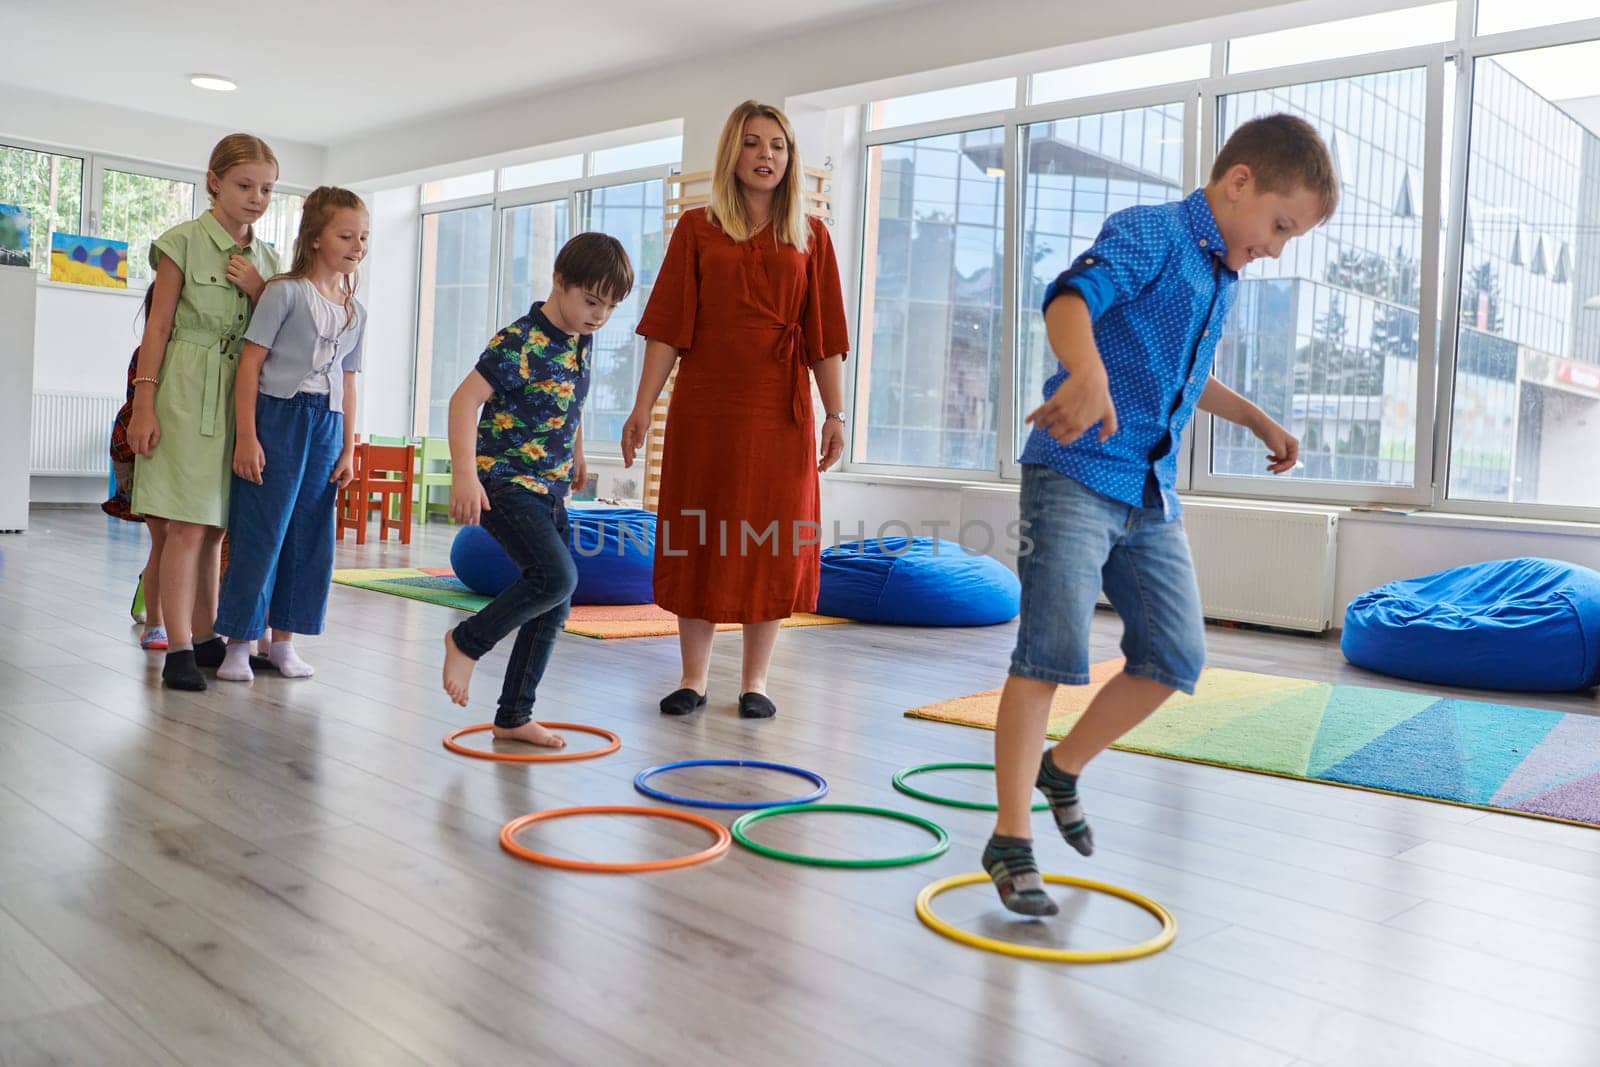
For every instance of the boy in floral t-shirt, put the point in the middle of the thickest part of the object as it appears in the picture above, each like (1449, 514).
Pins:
(526, 450)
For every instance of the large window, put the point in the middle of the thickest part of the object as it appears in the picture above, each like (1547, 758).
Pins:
(1526, 399)
(1075, 172)
(531, 237)
(452, 308)
(490, 252)
(1437, 340)
(138, 208)
(50, 186)
(1325, 339)
(632, 213)
(932, 295)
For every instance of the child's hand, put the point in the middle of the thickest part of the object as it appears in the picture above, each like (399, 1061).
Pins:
(1082, 400)
(144, 431)
(1283, 448)
(243, 273)
(832, 443)
(344, 471)
(248, 459)
(633, 432)
(468, 501)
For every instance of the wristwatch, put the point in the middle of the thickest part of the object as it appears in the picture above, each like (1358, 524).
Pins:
(836, 415)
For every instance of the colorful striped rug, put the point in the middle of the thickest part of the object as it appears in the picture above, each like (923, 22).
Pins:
(439, 585)
(1500, 757)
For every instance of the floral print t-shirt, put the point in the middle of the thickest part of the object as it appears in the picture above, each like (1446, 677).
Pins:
(540, 377)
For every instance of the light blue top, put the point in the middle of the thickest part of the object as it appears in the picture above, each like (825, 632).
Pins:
(285, 326)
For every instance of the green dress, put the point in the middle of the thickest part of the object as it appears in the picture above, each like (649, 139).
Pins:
(186, 476)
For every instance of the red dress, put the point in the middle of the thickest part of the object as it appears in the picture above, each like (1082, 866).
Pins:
(749, 319)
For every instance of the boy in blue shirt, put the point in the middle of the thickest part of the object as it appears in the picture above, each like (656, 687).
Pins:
(514, 464)
(1134, 322)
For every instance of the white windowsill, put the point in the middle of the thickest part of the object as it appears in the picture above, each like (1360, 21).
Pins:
(137, 292)
(1346, 513)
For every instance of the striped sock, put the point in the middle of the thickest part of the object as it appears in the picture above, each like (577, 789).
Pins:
(1061, 790)
(1010, 863)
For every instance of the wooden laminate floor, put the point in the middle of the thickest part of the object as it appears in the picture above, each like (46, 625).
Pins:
(297, 872)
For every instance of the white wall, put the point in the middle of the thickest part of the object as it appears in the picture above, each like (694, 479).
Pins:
(83, 339)
(701, 90)
(389, 290)
(89, 126)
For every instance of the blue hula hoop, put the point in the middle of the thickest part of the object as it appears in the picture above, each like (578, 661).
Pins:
(642, 784)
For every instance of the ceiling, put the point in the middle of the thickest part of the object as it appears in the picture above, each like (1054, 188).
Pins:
(322, 71)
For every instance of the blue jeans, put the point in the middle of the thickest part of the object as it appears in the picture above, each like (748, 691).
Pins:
(1082, 543)
(532, 528)
(280, 557)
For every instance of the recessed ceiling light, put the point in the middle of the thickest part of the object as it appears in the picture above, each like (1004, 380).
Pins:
(215, 82)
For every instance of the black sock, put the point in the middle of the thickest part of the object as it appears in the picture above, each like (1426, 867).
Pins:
(179, 672)
(210, 653)
(1061, 790)
(1010, 863)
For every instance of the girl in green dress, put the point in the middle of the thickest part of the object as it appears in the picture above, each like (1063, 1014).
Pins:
(209, 274)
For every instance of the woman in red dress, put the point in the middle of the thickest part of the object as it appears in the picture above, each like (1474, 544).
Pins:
(748, 298)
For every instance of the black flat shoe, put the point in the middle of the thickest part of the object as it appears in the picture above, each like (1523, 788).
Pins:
(682, 702)
(756, 706)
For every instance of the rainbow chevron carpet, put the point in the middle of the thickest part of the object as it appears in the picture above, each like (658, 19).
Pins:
(1500, 757)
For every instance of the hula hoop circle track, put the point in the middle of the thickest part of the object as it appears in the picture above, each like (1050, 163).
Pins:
(909, 790)
(719, 845)
(642, 784)
(613, 742)
(743, 822)
(1169, 925)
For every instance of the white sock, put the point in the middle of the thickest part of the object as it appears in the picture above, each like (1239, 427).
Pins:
(288, 661)
(236, 667)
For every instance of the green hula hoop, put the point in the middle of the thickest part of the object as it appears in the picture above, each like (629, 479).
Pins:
(909, 790)
(936, 849)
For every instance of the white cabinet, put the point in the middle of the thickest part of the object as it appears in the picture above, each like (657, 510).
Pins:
(17, 309)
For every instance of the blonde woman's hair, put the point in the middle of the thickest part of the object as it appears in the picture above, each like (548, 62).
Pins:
(232, 150)
(727, 208)
(318, 211)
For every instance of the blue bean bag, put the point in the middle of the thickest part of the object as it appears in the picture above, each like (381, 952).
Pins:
(614, 549)
(1520, 624)
(901, 581)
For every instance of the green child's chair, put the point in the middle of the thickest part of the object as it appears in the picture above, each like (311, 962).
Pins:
(433, 472)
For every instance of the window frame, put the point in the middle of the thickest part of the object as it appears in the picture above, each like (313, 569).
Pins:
(86, 159)
(1449, 68)
(1430, 59)
(1471, 49)
(500, 202)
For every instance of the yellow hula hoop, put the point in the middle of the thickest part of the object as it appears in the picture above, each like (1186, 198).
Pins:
(1169, 925)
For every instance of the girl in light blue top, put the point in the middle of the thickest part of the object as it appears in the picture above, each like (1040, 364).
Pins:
(295, 402)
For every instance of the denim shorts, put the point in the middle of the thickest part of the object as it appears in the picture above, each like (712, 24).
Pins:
(1083, 542)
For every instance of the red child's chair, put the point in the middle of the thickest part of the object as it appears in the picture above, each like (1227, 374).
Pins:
(383, 471)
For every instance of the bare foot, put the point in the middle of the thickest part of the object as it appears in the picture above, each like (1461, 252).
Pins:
(457, 670)
(532, 733)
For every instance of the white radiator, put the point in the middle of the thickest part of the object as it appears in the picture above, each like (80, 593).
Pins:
(1263, 563)
(72, 433)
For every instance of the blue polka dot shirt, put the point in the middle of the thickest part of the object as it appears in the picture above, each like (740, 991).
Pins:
(1158, 290)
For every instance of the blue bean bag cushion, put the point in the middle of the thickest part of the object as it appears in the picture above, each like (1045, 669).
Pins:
(614, 549)
(902, 581)
(1521, 624)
